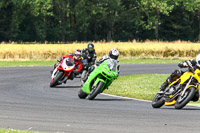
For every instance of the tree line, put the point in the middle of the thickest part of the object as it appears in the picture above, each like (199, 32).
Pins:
(95, 20)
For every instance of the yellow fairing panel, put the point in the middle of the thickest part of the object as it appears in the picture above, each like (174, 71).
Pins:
(170, 103)
(197, 75)
(185, 77)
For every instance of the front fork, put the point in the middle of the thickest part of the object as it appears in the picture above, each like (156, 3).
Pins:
(183, 92)
(98, 79)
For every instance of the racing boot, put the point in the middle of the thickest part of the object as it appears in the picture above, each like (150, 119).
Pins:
(51, 71)
(164, 85)
(71, 76)
(55, 65)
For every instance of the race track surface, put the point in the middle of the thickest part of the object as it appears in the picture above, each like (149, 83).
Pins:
(28, 103)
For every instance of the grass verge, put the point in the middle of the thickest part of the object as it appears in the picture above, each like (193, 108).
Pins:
(18, 63)
(144, 61)
(143, 86)
(14, 131)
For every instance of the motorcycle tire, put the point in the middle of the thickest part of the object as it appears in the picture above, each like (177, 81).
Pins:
(180, 105)
(83, 76)
(56, 79)
(81, 94)
(158, 101)
(96, 91)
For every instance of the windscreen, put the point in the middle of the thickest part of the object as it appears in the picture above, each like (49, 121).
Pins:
(69, 61)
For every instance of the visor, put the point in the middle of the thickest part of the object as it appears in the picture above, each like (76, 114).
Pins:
(91, 49)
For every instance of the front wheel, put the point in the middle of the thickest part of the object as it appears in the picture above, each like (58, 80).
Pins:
(158, 101)
(81, 94)
(55, 80)
(183, 100)
(96, 90)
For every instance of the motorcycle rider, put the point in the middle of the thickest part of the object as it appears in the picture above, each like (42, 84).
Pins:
(113, 54)
(89, 54)
(177, 73)
(77, 56)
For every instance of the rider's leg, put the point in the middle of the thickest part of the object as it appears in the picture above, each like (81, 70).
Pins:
(55, 65)
(71, 76)
(90, 69)
(174, 75)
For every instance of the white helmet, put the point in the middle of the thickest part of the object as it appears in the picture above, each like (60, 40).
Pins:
(198, 60)
(77, 54)
(113, 53)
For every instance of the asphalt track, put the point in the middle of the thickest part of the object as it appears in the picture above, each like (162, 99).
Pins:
(28, 103)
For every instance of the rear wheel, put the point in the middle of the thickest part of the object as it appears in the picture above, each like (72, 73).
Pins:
(183, 100)
(81, 94)
(96, 91)
(54, 81)
(158, 101)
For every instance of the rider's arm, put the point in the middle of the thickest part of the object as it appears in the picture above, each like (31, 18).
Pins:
(101, 60)
(77, 71)
(61, 58)
(93, 58)
(70, 54)
(185, 64)
(118, 67)
(84, 53)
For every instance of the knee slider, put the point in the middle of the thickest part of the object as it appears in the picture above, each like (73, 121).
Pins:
(90, 69)
(176, 73)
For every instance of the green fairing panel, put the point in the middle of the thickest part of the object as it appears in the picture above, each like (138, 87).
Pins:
(105, 70)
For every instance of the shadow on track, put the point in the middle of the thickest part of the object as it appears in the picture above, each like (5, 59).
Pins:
(67, 87)
(186, 108)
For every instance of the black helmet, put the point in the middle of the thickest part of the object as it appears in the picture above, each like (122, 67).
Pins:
(113, 53)
(90, 47)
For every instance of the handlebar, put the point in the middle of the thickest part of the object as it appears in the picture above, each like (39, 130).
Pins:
(190, 66)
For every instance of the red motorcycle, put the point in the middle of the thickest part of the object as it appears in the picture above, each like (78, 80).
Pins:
(62, 71)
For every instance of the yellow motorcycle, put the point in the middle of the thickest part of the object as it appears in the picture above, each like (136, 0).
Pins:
(180, 91)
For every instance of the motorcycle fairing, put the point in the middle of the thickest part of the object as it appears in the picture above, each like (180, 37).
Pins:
(96, 76)
(67, 69)
(183, 79)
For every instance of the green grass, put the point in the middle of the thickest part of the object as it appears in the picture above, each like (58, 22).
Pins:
(137, 86)
(143, 61)
(17, 63)
(143, 86)
(14, 131)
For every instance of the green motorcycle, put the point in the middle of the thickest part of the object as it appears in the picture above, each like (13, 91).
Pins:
(99, 79)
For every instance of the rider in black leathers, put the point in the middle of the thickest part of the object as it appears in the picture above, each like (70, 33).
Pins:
(89, 54)
(177, 73)
(89, 57)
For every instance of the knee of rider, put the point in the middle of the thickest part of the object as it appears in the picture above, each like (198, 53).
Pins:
(55, 65)
(91, 69)
(176, 73)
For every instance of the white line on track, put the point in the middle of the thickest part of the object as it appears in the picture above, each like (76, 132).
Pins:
(138, 99)
(125, 97)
